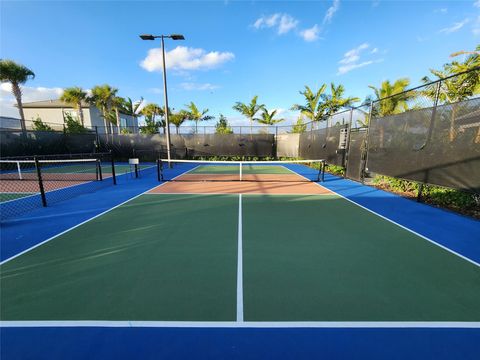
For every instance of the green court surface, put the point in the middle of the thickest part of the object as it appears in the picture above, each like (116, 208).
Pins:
(235, 169)
(8, 196)
(165, 257)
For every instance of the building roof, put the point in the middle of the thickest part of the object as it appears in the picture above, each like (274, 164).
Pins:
(57, 103)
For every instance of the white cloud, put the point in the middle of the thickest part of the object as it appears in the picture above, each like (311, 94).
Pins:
(442, 10)
(353, 55)
(351, 59)
(346, 68)
(455, 27)
(331, 11)
(198, 86)
(477, 4)
(30, 94)
(266, 21)
(287, 23)
(310, 34)
(185, 58)
(282, 22)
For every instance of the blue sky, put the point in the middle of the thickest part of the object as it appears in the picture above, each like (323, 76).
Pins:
(233, 50)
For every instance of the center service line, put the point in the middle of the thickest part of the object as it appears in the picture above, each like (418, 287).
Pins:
(240, 264)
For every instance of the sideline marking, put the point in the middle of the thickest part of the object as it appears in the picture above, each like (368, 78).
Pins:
(240, 264)
(403, 227)
(247, 324)
(84, 222)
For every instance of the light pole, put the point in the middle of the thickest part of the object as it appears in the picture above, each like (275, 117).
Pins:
(167, 123)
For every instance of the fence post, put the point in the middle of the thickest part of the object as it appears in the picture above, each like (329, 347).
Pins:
(365, 151)
(347, 146)
(40, 182)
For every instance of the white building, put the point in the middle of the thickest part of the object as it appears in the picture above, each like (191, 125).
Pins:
(53, 112)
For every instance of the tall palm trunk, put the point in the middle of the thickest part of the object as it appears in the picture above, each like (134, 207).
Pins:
(17, 92)
(117, 116)
(196, 126)
(80, 113)
(452, 123)
(177, 129)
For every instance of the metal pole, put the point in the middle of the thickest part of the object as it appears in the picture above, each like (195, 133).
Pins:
(40, 182)
(365, 152)
(347, 146)
(167, 123)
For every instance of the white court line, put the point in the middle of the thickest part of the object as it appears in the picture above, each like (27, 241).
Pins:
(402, 226)
(240, 263)
(84, 222)
(245, 324)
(249, 193)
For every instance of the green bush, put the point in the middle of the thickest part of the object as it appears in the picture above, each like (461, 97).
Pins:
(436, 195)
(73, 126)
(39, 125)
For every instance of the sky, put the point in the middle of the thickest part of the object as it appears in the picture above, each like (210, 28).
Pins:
(232, 50)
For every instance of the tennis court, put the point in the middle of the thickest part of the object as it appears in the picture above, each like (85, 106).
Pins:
(274, 249)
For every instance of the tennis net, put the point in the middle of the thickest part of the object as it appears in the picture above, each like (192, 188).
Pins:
(258, 171)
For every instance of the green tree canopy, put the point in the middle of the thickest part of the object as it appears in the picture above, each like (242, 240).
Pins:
(75, 96)
(249, 110)
(16, 74)
(222, 127)
(193, 113)
(267, 118)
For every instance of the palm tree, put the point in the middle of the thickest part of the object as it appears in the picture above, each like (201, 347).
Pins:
(132, 108)
(389, 104)
(197, 115)
(249, 110)
(75, 96)
(314, 108)
(177, 119)
(267, 118)
(103, 98)
(457, 88)
(335, 101)
(17, 75)
(151, 111)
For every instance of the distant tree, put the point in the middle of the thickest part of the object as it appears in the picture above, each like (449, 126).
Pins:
(249, 110)
(267, 118)
(39, 125)
(151, 111)
(457, 88)
(222, 127)
(103, 97)
(389, 104)
(132, 108)
(335, 101)
(178, 118)
(16, 74)
(75, 96)
(314, 108)
(193, 113)
(299, 127)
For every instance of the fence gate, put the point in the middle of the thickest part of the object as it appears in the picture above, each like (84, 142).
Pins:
(355, 150)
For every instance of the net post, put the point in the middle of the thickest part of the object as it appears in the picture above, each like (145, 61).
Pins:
(19, 170)
(323, 165)
(40, 182)
(113, 168)
(99, 169)
(136, 171)
(159, 171)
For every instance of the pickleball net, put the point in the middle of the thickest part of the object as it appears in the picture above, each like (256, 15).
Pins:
(29, 184)
(257, 171)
